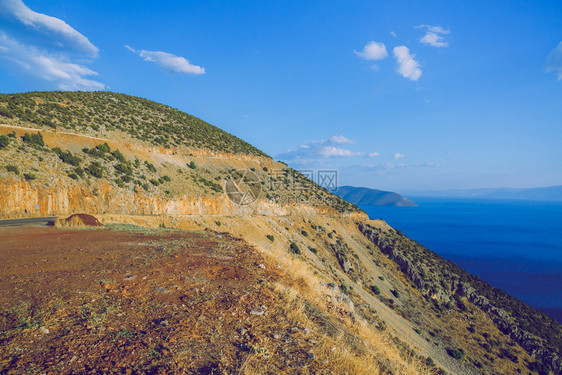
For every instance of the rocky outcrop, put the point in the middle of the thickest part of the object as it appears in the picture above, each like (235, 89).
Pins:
(346, 260)
(19, 198)
(443, 281)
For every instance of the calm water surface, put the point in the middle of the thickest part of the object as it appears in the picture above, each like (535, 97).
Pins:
(513, 245)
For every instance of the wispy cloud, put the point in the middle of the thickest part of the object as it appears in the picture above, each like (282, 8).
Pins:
(373, 154)
(554, 61)
(42, 46)
(434, 36)
(65, 74)
(17, 11)
(340, 139)
(410, 67)
(319, 149)
(393, 34)
(399, 156)
(168, 61)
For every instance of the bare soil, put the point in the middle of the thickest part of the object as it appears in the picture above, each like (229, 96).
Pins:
(129, 300)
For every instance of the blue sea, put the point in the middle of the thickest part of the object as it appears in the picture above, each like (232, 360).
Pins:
(513, 245)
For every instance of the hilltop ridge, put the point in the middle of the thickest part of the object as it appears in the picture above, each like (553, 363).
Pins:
(103, 113)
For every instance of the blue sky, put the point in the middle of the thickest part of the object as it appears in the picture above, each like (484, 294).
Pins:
(477, 101)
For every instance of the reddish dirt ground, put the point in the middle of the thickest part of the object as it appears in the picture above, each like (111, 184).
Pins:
(131, 300)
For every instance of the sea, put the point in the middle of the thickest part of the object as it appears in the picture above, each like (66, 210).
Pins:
(513, 245)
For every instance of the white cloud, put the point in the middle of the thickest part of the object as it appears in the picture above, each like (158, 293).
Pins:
(373, 154)
(340, 139)
(47, 66)
(434, 36)
(16, 10)
(373, 51)
(410, 68)
(399, 155)
(331, 151)
(45, 47)
(176, 64)
(434, 40)
(554, 61)
(393, 34)
(319, 149)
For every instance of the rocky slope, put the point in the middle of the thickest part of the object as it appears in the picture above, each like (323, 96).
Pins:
(383, 299)
(446, 284)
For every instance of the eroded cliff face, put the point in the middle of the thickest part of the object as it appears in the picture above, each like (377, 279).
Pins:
(19, 198)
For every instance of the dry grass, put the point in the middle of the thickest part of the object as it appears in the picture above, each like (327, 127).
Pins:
(356, 347)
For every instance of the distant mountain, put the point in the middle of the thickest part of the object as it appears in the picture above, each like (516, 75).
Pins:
(372, 197)
(551, 193)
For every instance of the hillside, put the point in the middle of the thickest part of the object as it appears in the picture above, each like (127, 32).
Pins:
(122, 154)
(263, 268)
(372, 197)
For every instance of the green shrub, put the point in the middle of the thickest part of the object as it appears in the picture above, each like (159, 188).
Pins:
(381, 277)
(192, 165)
(104, 148)
(270, 237)
(455, 353)
(265, 169)
(150, 166)
(294, 249)
(79, 171)
(95, 169)
(123, 168)
(67, 157)
(95, 152)
(154, 182)
(119, 156)
(35, 139)
(4, 141)
(13, 169)
(375, 289)
(5, 112)
(213, 185)
(429, 362)
(395, 293)
(29, 176)
(166, 178)
(73, 176)
(304, 233)
(313, 250)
